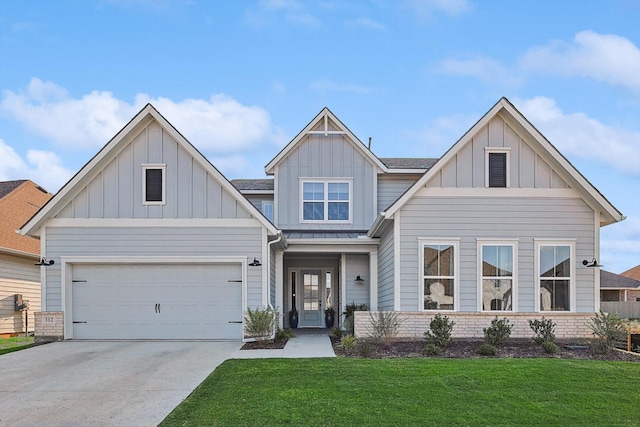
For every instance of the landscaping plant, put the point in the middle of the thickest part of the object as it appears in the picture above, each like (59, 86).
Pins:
(348, 315)
(609, 329)
(261, 323)
(544, 330)
(348, 342)
(283, 335)
(384, 326)
(499, 331)
(439, 332)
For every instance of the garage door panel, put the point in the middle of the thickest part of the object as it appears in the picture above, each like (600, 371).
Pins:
(194, 301)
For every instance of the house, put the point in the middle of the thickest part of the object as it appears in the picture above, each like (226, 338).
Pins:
(633, 273)
(19, 275)
(150, 240)
(617, 287)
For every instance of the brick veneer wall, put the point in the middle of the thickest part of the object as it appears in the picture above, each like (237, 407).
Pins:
(470, 325)
(49, 326)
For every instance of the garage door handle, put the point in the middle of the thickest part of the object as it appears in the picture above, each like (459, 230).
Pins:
(236, 321)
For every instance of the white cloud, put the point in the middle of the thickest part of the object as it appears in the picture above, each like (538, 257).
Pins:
(483, 68)
(577, 135)
(605, 57)
(620, 245)
(426, 8)
(293, 12)
(438, 136)
(325, 85)
(366, 23)
(219, 124)
(42, 167)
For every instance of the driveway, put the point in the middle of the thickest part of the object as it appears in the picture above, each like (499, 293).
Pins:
(124, 383)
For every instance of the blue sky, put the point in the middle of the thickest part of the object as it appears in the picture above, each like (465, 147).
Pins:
(241, 78)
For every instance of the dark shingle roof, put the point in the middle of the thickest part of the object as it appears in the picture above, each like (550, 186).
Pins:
(7, 187)
(253, 184)
(616, 281)
(408, 163)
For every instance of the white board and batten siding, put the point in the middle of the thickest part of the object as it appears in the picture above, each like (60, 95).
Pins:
(18, 275)
(331, 156)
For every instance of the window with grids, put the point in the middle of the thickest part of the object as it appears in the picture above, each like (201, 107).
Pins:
(439, 275)
(326, 201)
(497, 269)
(555, 277)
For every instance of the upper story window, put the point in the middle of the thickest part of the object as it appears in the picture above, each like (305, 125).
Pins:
(153, 184)
(267, 210)
(324, 201)
(555, 278)
(497, 167)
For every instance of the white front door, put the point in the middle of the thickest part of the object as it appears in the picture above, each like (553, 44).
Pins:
(311, 289)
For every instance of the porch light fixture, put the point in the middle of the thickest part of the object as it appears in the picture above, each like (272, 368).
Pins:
(592, 263)
(44, 262)
(359, 279)
(255, 263)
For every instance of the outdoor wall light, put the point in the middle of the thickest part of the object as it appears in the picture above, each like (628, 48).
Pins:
(592, 263)
(359, 279)
(255, 263)
(45, 262)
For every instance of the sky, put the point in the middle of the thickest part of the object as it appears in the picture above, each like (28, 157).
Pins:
(239, 79)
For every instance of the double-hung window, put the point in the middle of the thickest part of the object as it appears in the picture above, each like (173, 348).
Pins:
(497, 275)
(555, 275)
(439, 264)
(267, 209)
(153, 184)
(326, 201)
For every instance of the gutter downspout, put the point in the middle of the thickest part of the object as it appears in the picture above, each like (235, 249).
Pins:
(269, 268)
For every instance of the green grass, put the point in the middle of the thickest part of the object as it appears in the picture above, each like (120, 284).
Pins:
(392, 392)
(7, 345)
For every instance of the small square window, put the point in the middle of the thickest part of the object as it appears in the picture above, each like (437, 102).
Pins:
(153, 184)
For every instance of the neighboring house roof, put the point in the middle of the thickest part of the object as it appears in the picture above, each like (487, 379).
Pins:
(408, 162)
(503, 108)
(633, 273)
(19, 201)
(111, 149)
(251, 185)
(610, 280)
(325, 119)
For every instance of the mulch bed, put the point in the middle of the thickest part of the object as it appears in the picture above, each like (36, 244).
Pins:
(467, 349)
(264, 345)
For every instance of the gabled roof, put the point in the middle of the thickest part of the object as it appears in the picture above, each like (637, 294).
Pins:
(111, 149)
(19, 200)
(617, 281)
(323, 118)
(504, 108)
(408, 163)
(633, 273)
(251, 185)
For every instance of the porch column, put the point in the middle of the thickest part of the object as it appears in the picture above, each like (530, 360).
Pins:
(280, 285)
(373, 280)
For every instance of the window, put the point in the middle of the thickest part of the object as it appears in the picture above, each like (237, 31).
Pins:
(326, 201)
(555, 276)
(153, 184)
(439, 268)
(497, 167)
(497, 273)
(267, 210)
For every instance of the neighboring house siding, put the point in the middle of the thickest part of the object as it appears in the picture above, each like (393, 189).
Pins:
(390, 187)
(330, 156)
(526, 168)
(116, 191)
(519, 218)
(357, 292)
(18, 275)
(386, 270)
(150, 242)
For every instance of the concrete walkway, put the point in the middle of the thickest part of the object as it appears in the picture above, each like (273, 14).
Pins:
(302, 346)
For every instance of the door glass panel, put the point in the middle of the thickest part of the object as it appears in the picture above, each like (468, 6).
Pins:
(311, 294)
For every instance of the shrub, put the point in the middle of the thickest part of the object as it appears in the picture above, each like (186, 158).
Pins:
(348, 342)
(439, 332)
(348, 315)
(549, 347)
(384, 326)
(609, 329)
(336, 333)
(431, 350)
(283, 335)
(363, 348)
(499, 331)
(487, 350)
(544, 330)
(261, 323)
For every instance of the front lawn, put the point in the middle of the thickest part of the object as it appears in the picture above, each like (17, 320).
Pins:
(7, 345)
(342, 392)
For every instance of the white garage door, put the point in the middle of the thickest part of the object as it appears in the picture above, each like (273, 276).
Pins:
(157, 301)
